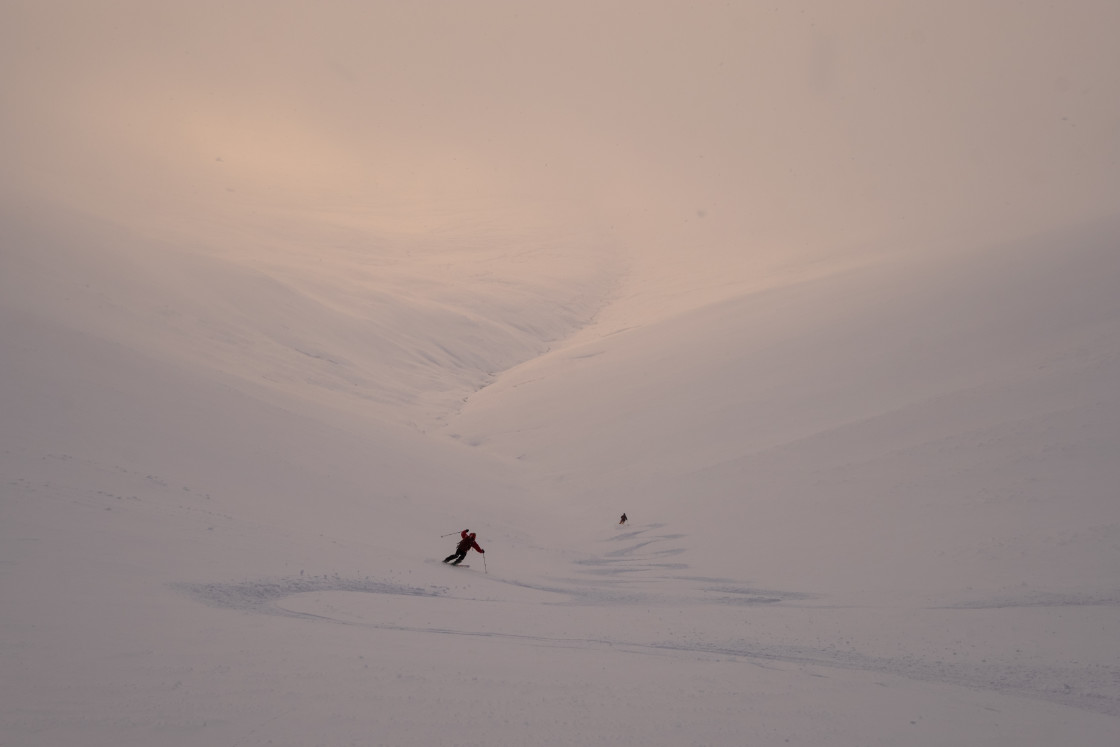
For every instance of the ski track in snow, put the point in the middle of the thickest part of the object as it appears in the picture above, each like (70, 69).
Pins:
(1097, 687)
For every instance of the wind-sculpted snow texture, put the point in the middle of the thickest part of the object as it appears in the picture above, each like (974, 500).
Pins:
(633, 580)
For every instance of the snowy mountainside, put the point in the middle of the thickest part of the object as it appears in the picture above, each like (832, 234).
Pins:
(954, 411)
(201, 556)
(397, 326)
(291, 294)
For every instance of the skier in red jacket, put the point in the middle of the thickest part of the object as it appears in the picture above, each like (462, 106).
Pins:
(465, 545)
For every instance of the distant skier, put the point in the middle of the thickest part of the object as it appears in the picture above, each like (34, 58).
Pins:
(465, 545)
(622, 520)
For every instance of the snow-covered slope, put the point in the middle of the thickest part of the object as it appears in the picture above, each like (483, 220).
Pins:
(392, 324)
(976, 389)
(876, 505)
(822, 299)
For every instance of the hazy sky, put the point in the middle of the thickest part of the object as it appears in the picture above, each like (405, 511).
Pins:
(737, 126)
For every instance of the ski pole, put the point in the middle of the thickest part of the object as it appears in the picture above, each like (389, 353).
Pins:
(447, 535)
(484, 568)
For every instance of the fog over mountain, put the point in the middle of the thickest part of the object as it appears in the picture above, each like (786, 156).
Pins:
(821, 295)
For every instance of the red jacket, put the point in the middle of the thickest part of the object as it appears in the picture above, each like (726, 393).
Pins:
(467, 543)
